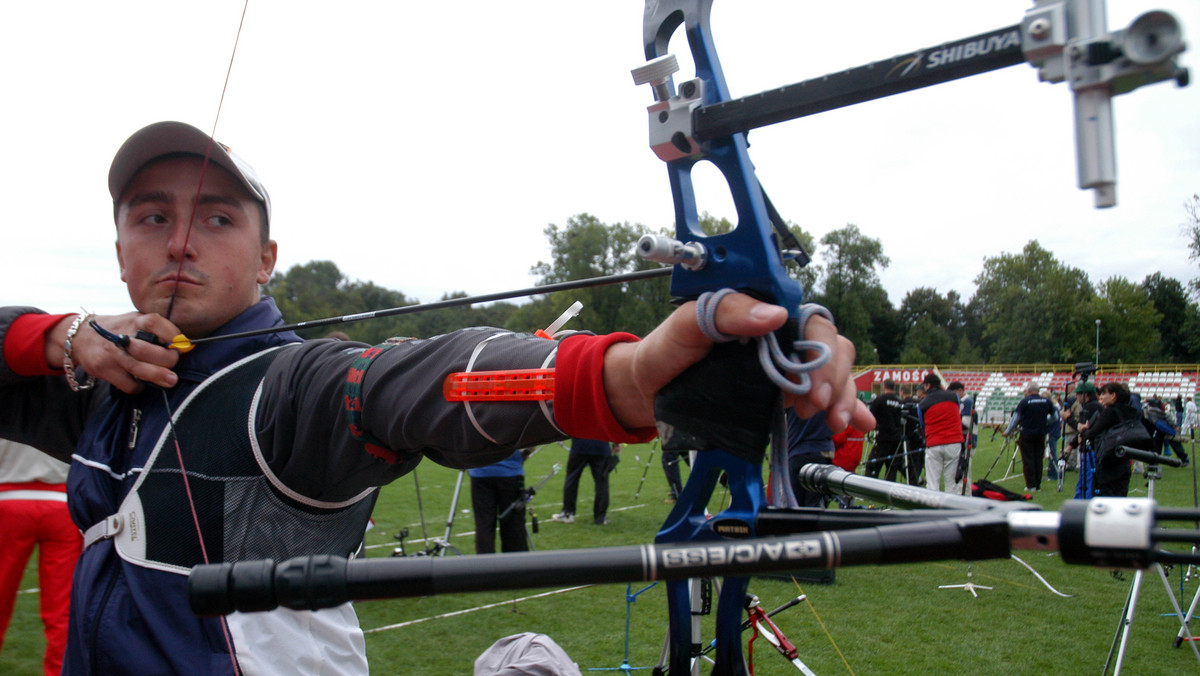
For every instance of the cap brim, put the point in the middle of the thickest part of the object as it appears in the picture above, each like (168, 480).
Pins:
(167, 138)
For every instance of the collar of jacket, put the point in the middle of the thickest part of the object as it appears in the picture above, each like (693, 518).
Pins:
(210, 357)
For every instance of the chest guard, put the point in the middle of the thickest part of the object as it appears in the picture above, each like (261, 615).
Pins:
(243, 511)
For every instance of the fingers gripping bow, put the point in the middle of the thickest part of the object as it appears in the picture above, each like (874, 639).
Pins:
(770, 356)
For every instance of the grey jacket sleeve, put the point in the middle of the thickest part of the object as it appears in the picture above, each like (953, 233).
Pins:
(41, 411)
(305, 437)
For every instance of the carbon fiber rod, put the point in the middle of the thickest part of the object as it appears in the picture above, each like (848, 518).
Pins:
(325, 581)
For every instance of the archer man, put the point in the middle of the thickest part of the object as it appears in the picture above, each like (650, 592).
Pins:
(270, 446)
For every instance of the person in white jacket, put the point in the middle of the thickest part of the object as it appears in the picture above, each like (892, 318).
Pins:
(1189, 418)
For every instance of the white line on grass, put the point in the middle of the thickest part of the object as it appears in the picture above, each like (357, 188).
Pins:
(471, 610)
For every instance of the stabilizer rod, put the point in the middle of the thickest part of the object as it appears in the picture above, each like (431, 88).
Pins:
(1148, 457)
(325, 581)
(1107, 532)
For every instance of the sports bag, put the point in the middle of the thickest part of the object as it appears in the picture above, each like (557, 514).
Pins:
(1129, 432)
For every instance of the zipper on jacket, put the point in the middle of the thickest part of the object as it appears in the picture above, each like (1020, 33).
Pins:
(135, 419)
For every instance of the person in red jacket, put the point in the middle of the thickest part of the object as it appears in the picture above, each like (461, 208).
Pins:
(33, 513)
(943, 435)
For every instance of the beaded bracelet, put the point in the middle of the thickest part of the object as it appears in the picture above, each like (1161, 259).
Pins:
(68, 364)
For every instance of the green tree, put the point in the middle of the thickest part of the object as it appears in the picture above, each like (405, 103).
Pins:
(927, 343)
(587, 248)
(947, 314)
(973, 329)
(1191, 227)
(1033, 308)
(1128, 322)
(927, 302)
(887, 328)
(310, 291)
(318, 289)
(850, 288)
(1170, 299)
(437, 322)
(801, 268)
(966, 353)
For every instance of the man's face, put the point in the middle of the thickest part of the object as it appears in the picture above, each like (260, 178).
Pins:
(216, 275)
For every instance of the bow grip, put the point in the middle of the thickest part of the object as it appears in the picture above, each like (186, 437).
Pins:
(725, 401)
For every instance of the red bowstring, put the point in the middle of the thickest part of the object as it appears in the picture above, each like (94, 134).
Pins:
(207, 155)
(171, 305)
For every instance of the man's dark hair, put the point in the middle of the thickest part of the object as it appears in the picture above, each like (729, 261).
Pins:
(933, 381)
(956, 386)
(889, 384)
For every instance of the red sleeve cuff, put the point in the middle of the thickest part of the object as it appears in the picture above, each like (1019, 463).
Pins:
(25, 344)
(580, 404)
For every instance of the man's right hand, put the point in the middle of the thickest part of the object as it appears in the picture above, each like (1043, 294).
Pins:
(128, 370)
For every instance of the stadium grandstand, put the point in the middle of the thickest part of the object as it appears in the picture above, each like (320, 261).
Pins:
(998, 388)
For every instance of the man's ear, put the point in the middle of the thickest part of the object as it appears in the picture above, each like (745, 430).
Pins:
(266, 261)
(121, 260)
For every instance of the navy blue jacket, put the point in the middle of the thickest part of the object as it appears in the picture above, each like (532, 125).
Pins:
(131, 618)
(1034, 413)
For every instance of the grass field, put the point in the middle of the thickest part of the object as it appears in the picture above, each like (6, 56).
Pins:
(872, 620)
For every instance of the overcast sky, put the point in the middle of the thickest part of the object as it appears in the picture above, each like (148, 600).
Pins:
(424, 146)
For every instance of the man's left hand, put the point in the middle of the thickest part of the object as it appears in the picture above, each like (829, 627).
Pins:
(635, 372)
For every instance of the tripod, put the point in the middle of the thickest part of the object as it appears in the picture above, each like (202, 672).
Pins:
(1191, 569)
(526, 498)
(1003, 449)
(968, 585)
(630, 597)
(434, 546)
(1125, 625)
(1062, 466)
(966, 459)
(914, 460)
(646, 470)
